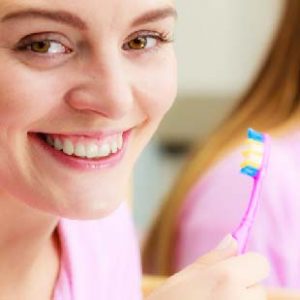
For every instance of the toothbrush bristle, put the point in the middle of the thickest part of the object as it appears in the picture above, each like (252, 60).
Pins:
(253, 153)
(255, 135)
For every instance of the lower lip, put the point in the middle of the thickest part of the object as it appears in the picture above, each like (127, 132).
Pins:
(82, 164)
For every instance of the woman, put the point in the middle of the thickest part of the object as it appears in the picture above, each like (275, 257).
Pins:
(77, 107)
(210, 196)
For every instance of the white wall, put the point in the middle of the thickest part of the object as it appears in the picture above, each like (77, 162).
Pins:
(220, 43)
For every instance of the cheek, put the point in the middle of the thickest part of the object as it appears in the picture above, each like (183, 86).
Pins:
(156, 88)
(25, 96)
(159, 88)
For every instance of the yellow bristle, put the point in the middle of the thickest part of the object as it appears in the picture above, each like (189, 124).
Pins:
(250, 163)
(253, 154)
(254, 145)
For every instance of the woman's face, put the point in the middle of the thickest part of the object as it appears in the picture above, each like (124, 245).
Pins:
(83, 86)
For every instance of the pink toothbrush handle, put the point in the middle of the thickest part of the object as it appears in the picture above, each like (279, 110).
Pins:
(241, 234)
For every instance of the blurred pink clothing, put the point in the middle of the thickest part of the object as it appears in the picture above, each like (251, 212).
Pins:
(216, 203)
(100, 259)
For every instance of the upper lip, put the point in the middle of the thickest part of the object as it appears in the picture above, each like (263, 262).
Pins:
(89, 134)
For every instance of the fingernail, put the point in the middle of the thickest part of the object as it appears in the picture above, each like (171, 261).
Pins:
(225, 243)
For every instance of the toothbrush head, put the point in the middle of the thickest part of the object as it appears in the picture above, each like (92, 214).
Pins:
(254, 154)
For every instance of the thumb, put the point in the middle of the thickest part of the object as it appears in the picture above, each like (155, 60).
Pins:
(226, 248)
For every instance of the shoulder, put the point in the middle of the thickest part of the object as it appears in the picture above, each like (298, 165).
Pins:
(219, 190)
(281, 194)
(224, 184)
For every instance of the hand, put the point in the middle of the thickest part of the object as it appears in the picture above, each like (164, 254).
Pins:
(219, 275)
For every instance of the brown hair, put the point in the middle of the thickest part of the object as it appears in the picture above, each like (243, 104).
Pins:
(272, 102)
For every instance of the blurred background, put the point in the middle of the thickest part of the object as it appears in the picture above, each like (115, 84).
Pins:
(219, 44)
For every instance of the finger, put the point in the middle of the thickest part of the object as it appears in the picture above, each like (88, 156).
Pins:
(256, 292)
(227, 248)
(255, 268)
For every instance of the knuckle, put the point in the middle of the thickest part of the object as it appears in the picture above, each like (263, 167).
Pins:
(260, 263)
(204, 261)
(259, 291)
(225, 277)
(265, 264)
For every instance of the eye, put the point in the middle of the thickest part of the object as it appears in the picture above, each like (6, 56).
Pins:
(145, 40)
(47, 46)
(142, 42)
(42, 45)
(44, 50)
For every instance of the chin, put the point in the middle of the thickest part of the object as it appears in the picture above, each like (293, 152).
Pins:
(75, 207)
(90, 214)
(85, 209)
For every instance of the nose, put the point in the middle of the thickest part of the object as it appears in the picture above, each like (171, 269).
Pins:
(104, 88)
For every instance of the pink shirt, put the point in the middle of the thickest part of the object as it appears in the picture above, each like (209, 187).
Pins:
(100, 259)
(216, 203)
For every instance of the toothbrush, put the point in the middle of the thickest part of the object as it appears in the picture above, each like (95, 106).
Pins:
(255, 165)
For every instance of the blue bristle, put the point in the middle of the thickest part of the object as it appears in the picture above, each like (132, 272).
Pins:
(255, 135)
(250, 171)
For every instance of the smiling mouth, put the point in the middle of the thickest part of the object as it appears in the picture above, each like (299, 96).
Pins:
(84, 147)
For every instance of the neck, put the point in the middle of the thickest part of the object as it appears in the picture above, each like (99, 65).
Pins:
(29, 252)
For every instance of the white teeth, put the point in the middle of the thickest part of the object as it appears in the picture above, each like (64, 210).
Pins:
(68, 147)
(58, 144)
(91, 150)
(87, 150)
(80, 150)
(114, 147)
(104, 150)
(120, 141)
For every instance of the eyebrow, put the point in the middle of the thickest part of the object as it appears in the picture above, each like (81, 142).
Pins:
(58, 16)
(74, 21)
(155, 15)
